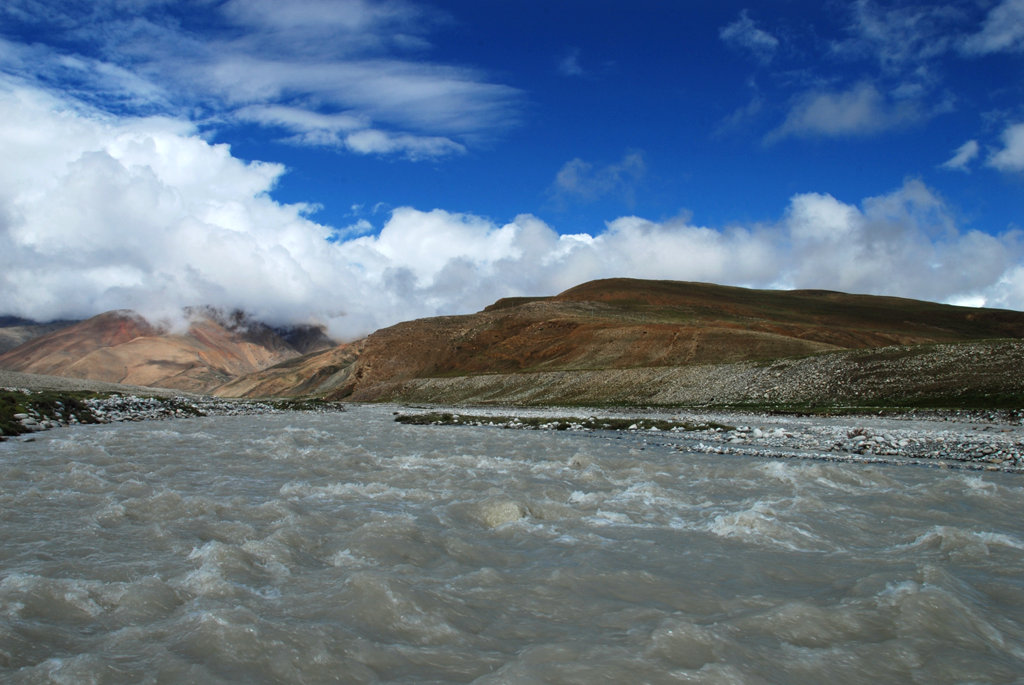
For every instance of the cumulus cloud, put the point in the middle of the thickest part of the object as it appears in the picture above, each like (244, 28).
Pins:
(903, 243)
(858, 111)
(1002, 30)
(745, 34)
(963, 156)
(1011, 156)
(100, 213)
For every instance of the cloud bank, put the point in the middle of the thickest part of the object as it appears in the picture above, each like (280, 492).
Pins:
(98, 213)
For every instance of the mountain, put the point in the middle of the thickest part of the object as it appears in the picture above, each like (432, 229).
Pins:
(318, 373)
(16, 331)
(123, 347)
(612, 328)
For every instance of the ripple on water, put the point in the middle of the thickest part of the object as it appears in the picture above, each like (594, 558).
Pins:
(311, 549)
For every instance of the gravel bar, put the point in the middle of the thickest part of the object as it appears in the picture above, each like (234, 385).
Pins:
(984, 441)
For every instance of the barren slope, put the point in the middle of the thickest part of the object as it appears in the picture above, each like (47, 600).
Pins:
(621, 324)
(122, 347)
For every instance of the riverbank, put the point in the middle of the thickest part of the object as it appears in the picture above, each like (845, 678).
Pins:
(974, 440)
(990, 440)
(31, 403)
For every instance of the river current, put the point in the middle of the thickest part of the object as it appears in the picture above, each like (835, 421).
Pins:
(348, 548)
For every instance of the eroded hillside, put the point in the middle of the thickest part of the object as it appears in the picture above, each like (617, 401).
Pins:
(605, 329)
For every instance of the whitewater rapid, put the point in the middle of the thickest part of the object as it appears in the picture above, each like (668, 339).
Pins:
(348, 548)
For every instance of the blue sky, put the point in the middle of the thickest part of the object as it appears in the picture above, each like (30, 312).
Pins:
(362, 162)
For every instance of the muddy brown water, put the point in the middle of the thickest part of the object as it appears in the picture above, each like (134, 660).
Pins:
(348, 548)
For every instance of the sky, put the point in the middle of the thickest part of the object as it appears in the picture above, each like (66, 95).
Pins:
(361, 162)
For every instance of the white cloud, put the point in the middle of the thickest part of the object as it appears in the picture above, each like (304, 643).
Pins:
(315, 67)
(416, 97)
(98, 213)
(904, 243)
(347, 131)
(1011, 156)
(1002, 31)
(861, 110)
(744, 33)
(963, 156)
(370, 141)
(300, 119)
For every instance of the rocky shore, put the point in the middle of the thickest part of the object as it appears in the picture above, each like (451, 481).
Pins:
(984, 441)
(33, 403)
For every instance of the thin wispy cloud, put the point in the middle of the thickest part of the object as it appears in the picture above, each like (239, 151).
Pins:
(964, 155)
(746, 35)
(569, 65)
(900, 39)
(584, 181)
(1002, 30)
(315, 67)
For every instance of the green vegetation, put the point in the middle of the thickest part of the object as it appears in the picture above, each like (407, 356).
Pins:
(46, 403)
(555, 423)
(18, 407)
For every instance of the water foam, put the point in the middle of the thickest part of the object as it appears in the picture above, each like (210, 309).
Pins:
(294, 549)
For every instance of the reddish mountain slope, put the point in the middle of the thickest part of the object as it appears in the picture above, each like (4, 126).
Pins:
(122, 347)
(626, 323)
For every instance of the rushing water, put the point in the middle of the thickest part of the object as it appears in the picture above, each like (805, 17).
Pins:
(348, 548)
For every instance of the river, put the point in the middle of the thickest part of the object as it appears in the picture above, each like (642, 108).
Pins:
(348, 548)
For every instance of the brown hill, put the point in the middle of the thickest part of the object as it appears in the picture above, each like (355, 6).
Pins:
(626, 324)
(318, 373)
(122, 347)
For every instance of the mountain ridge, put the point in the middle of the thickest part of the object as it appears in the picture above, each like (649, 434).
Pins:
(121, 346)
(612, 340)
(615, 325)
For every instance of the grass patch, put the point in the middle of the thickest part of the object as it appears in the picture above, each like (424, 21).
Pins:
(45, 404)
